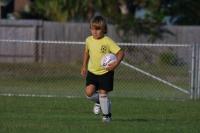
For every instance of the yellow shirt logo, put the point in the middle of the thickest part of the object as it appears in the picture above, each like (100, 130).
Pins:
(103, 49)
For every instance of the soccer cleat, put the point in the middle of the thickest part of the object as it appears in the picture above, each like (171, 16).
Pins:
(107, 118)
(97, 109)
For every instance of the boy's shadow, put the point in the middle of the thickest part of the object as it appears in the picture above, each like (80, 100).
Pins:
(141, 120)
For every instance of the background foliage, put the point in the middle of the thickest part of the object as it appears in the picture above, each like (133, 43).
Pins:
(138, 17)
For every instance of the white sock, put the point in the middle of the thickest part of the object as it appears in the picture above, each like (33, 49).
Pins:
(105, 104)
(94, 97)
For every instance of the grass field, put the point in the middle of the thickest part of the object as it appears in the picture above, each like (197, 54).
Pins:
(140, 104)
(65, 80)
(73, 115)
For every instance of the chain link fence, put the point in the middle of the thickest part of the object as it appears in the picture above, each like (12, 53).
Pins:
(52, 69)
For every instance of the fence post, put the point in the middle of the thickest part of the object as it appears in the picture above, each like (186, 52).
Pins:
(198, 72)
(192, 72)
(195, 72)
(39, 35)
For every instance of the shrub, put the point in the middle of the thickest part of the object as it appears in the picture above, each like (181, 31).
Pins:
(168, 58)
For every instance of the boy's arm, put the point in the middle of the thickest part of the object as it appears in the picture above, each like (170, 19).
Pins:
(85, 62)
(120, 56)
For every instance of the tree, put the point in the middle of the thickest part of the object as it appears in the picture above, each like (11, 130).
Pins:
(122, 13)
(3, 3)
(184, 12)
(57, 10)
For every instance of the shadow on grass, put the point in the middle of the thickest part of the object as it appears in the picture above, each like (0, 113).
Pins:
(140, 120)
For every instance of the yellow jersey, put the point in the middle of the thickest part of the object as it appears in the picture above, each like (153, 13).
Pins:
(97, 48)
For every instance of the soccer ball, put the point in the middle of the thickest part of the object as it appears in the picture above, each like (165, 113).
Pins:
(107, 59)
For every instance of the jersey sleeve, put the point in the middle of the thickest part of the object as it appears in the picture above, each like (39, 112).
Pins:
(87, 43)
(113, 46)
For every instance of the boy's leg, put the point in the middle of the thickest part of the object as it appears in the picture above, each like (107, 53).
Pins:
(93, 95)
(91, 87)
(105, 86)
(105, 105)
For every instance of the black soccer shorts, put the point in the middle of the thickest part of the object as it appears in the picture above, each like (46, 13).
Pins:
(104, 81)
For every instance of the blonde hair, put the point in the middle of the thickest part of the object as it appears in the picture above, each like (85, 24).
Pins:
(98, 22)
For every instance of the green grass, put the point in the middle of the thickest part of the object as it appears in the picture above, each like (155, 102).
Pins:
(65, 115)
(65, 80)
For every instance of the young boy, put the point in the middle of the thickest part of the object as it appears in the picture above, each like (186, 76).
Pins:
(99, 81)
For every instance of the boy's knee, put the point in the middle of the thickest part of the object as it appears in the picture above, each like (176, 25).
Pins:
(89, 91)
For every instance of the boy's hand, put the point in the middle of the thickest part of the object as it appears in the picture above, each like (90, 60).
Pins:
(83, 72)
(111, 66)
